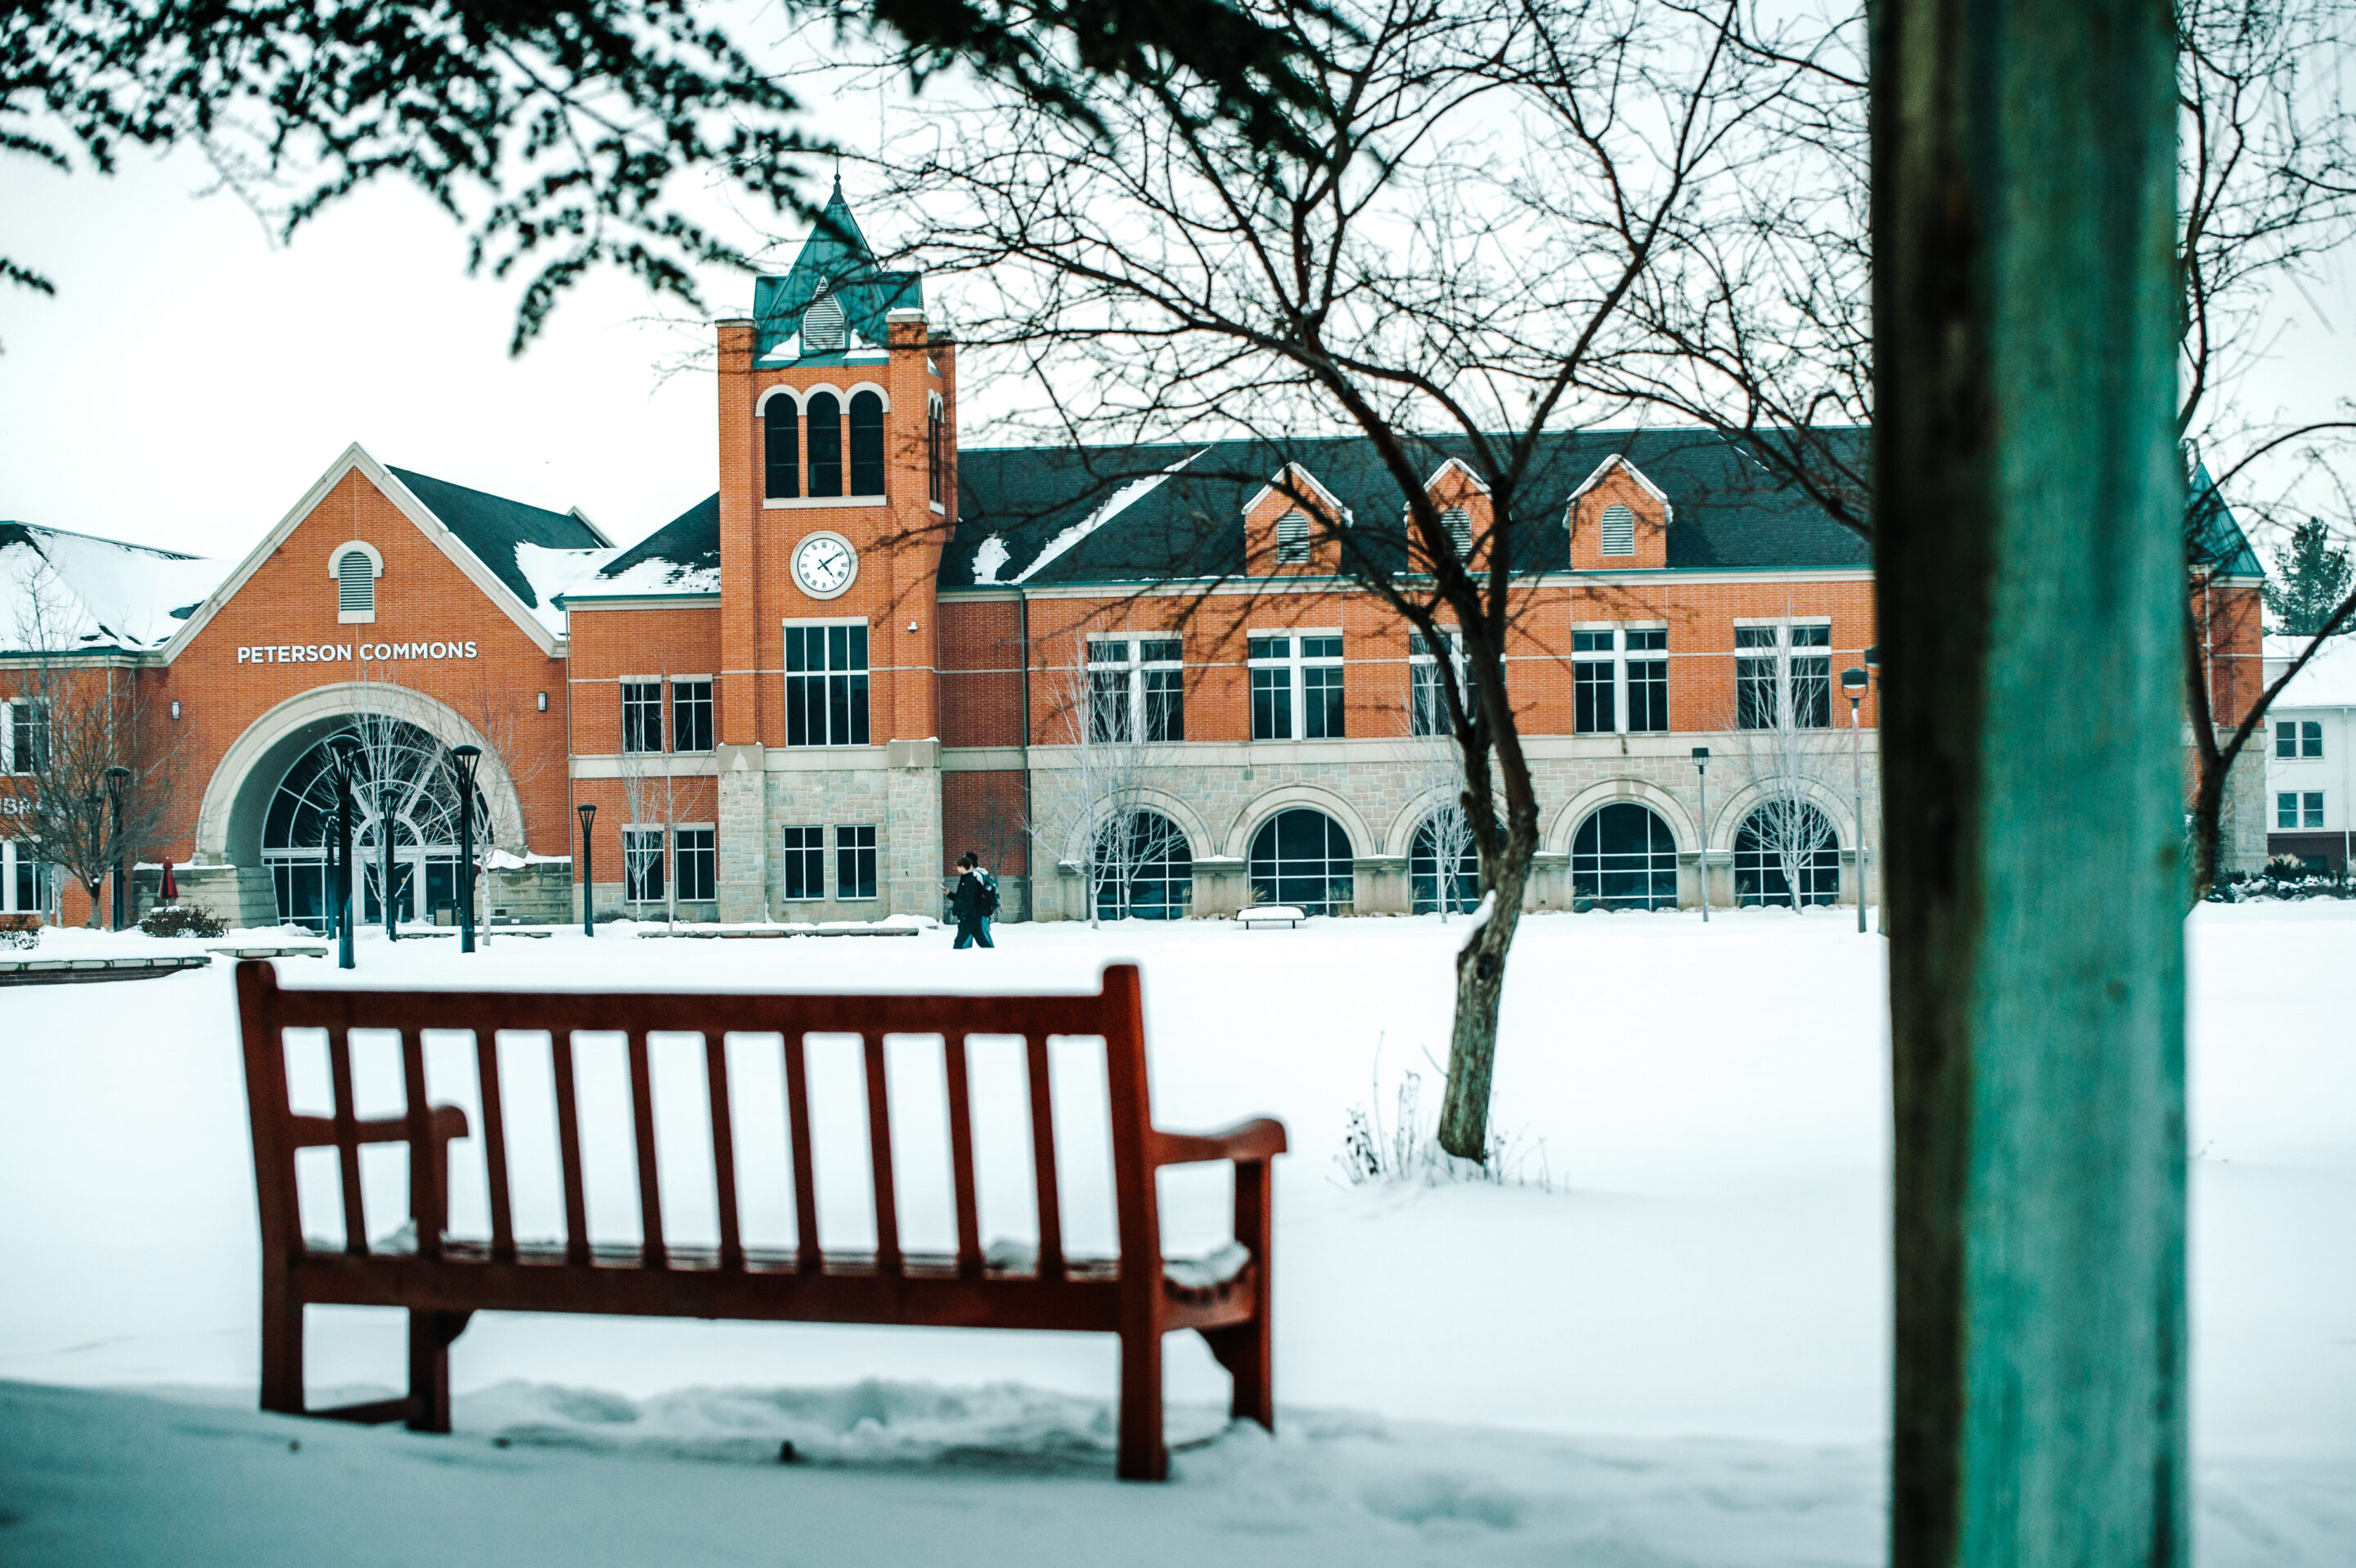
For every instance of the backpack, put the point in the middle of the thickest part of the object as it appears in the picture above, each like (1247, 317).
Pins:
(989, 895)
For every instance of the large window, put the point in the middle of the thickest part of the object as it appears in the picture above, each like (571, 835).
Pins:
(1646, 672)
(854, 862)
(1620, 680)
(698, 864)
(1301, 857)
(1150, 876)
(1784, 669)
(781, 441)
(826, 685)
(642, 864)
(1297, 690)
(2293, 808)
(935, 448)
(405, 830)
(1443, 868)
(825, 419)
(25, 735)
(691, 714)
(1137, 688)
(1427, 709)
(866, 443)
(642, 726)
(1623, 858)
(1784, 853)
(24, 881)
(805, 862)
(1594, 684)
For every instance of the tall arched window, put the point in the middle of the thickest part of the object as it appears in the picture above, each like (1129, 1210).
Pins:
(1623, 857)
(1784, 845)
(781, 443)
(1443, 867)
(866, 443)
(933, 449)
(1302, 857)
(1149, 877)
(825, 445)
(355, 587)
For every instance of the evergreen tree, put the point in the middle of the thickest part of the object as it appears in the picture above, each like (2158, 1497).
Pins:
(2313, 579)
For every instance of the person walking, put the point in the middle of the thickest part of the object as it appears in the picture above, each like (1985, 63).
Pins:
(974, 901)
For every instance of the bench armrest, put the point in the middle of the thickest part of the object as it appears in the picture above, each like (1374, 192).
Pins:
(1246, 1142)
(316, 1132)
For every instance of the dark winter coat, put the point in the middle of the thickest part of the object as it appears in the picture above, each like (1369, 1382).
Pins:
(971, 900)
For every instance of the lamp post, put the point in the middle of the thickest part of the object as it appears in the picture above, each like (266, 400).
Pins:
(117, 778)
(344, 749)
(463, 760)
(1701, 770)
(588, 881)
(1853, 681)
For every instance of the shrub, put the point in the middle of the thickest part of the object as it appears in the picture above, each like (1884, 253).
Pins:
(2286, 869)
(20, 931)
(180, 920)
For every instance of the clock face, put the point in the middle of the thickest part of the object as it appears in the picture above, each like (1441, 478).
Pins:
(825, 565)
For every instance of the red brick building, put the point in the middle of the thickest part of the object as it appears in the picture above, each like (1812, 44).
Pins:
(866, 652)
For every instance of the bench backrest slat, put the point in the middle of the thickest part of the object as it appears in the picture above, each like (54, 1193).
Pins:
(879, 1150)
(1112, 1015)
(568, 1147)
(723, 1149)
(1043, 1158)
(968, 1207)
(495, 1146)
(348, 1139)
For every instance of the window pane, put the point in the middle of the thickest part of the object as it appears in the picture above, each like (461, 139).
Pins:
(854, 862)
(1271, 704)
(1650, 639)
(690, 707)
(825, 446)
(1166, 705)
(1108, 653)
(1161, 650)
(805, 857)
(1648, 696)
(2287, 809)
(866, 444)
(1591, 642)
(696, 868)
(1811, 636)
(1812, 693)
(2311, 738)
(2314, 810)
(781, 431)
(1427, 704)
(1623, 858)
(1323, 685)
(1321, 647)
(1301, 857)
(1754, 636)
(1592, 698)
(1272, 648)
(2286, 739)
(1108, 715)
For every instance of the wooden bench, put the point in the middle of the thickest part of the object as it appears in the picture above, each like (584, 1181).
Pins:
(442, 1280)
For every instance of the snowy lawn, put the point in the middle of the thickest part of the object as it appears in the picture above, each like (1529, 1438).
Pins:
(1668, 1345)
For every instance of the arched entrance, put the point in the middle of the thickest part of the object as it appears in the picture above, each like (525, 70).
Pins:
(407, 803)
(1302, 857)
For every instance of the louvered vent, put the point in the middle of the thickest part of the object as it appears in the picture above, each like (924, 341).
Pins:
(1291, 537)
(1460, 531)
(1619, 530)
(822, 327)
(355, 584)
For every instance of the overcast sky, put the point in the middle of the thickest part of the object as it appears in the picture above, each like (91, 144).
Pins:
(190, 381)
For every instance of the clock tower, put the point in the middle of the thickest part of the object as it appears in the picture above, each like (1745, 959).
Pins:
(838, 484)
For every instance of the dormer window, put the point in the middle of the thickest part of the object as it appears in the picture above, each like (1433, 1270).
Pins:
(1291, 539)
(1619, 530)
(355, 566)
(822, 328)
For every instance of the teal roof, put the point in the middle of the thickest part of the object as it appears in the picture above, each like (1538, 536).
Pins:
(492, 525)
(2211, 537)
(835, 259)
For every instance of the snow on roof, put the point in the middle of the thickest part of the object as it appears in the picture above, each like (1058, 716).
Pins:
(650, 574)
(1118, 502)
(552, 571)
(2327, 681)
(76, 593)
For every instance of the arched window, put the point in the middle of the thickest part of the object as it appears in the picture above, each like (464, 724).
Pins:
(1623, 857)
(866, 443)
(1619, 530)
(825, 417)
(1786, 844)
(1301, 857)
(933, 449)
(822, 329)
(355, 586)
(406, 823)
(1443, 867)
(781, 443)
(1149, 877)
(1291, 538)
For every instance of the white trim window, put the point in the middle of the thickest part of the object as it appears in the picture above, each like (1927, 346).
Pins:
(1136, 689)
(1781, 663)
(1297, 687)
(854, 861)
(26, 883)
(2298, 809)
(698, 861)
(805, 863)
(2299, 738)
(642, 864)
(24, 736)
(690, 713)
(826, 683)
(642, 718)
(1620, 680)
(355, 566)
(1427, 709)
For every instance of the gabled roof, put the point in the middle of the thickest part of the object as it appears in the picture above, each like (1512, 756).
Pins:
(1731, 512)
(834, 258)
(495, 528)
(2213, 538)
(680, 557)
(68, 592)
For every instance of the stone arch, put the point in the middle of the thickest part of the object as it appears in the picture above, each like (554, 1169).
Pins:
(1726, 820)
(1663, 803)
(1198, 837)
(1284, 797)
(237, 797)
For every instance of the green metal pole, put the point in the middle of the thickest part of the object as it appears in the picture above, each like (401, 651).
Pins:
(2030, 584)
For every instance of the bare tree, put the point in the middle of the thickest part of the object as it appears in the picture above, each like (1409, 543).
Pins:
(82, 717)
(1435, 773)
(1168, 278)
(650, 803)
(1779, 741)
(1099, 796)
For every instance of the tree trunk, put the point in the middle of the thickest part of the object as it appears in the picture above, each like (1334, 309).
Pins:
(1479, 988)
(2207, 829)
(94, 923)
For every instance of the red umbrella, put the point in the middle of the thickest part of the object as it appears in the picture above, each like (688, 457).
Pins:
(171, 889)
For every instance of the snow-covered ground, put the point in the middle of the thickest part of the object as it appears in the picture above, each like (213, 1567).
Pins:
(1669, 1344)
